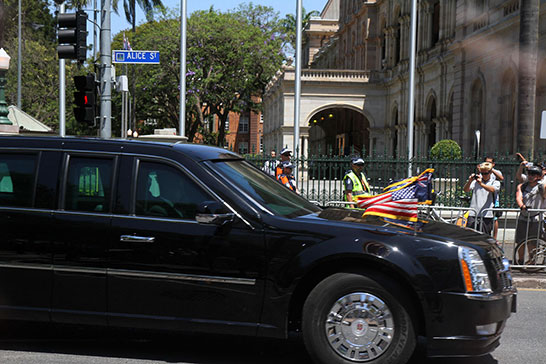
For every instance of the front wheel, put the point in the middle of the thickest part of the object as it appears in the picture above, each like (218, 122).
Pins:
(352, 318)
(530, 252)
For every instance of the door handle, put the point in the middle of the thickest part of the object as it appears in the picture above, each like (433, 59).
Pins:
(136, 239)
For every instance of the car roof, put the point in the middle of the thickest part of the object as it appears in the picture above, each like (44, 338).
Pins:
(197, 152)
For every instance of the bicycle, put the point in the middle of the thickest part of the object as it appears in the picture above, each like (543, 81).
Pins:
(530, 252)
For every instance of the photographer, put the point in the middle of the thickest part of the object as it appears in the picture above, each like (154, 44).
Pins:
(530, 195)
(484, 189)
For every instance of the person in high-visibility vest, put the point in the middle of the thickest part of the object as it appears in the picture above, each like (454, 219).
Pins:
(287, 178)
(285, 157)
(355, 182)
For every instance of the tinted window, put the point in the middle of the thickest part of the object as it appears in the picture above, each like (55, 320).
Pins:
(17, 176)
(265, 190)
(89, 184)
(164, 191)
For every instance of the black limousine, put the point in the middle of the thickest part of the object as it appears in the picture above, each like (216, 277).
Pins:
(183, 237)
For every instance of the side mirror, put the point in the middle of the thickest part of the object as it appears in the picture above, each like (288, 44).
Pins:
(214, 213)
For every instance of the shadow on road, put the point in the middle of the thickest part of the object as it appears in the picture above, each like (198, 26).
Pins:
(198, 349)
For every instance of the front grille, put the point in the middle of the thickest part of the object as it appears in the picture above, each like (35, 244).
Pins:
(503, 275)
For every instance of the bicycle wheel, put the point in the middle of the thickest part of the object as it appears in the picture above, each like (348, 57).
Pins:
(530, 252)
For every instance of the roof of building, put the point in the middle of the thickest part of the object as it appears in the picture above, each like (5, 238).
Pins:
(25, 122)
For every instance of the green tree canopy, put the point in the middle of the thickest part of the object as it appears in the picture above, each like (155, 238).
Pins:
(231, 57)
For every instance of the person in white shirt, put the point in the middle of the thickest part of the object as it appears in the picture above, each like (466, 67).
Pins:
(484, 189)
(271, 164)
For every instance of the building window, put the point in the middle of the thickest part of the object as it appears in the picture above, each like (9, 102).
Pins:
(226, 128)
(243, 147)
(435, 23)
(244, 123)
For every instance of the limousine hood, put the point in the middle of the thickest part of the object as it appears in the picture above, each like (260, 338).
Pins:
(434, 230)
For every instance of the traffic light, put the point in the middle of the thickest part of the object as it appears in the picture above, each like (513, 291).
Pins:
(85, 98)
(72, 36)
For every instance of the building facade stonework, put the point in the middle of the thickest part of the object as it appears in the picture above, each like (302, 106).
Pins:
(356, 60)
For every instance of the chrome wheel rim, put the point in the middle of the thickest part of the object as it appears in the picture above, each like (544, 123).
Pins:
(359, 327)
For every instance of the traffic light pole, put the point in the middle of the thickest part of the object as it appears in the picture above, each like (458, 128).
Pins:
(62, 89)
(105, 72)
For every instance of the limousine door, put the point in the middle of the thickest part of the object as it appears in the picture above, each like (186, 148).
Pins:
(167, 271)
(25, 235)
(82, 230)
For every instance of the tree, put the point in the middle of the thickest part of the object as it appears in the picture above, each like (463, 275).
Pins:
(230, 61)
(289, 25)
(528, 45)
(40, 81)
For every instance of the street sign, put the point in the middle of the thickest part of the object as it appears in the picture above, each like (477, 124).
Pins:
(135, 57)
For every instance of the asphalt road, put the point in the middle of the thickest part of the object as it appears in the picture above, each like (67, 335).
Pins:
(523, 341)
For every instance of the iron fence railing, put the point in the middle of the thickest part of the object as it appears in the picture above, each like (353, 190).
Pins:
(320, 177)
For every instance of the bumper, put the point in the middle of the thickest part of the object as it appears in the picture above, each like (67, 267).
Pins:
(469, 324)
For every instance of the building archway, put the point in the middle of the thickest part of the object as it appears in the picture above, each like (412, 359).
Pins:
(339, 131)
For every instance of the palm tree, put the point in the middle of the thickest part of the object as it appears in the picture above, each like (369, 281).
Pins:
(528, 45)
(289, 24)
(129, 8)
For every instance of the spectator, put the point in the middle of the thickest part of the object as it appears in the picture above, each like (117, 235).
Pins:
(530, 195)
(271, 164)
(287, 178)
(285, 157)
(520, 174)
(484, 189)
(355, 182)
(496, 175)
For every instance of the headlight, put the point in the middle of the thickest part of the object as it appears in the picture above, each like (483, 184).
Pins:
(475, 275)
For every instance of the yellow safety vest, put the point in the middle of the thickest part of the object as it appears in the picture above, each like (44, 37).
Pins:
(358, 188)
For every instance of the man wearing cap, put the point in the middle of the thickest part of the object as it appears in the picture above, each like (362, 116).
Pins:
(286, 177)
(484, 189)
(355, 182)
(530, 195)
(285, 157)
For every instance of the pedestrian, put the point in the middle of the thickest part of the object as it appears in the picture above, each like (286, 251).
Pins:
(355, 182)
(496, 175)
(285, 157)
(530, 195)
(484, 189)
(524, 164)
(287, 178)
(271, 164)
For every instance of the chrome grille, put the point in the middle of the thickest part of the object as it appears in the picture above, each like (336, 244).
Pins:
(503, 274)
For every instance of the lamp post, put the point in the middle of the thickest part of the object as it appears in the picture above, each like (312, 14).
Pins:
(4, 66)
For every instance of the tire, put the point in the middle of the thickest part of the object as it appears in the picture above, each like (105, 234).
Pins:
(371, 326)
(530, 252)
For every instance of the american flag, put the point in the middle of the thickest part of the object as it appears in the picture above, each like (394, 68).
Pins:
(401, 199)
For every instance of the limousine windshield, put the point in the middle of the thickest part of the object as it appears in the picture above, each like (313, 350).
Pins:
(273, 196)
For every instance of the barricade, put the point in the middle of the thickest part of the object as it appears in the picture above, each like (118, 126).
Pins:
(522, 237)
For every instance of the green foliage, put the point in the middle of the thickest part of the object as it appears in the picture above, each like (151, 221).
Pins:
(230, 59)
(40, 66)
(288, 25)
(446, 149)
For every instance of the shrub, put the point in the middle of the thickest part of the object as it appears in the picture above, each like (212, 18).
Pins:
(446, 149)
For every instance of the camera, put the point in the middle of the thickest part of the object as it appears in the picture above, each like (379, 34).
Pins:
(476, 176)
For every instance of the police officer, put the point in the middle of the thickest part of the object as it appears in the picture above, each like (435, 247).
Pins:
(286, 177)
(285, 157)
(355, 182)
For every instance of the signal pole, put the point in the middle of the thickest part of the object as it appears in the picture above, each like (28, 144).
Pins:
(105, 72)
(62, 89)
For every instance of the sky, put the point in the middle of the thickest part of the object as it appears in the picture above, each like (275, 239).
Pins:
(282, 6)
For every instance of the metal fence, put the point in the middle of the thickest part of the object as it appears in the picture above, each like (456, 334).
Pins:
(320, 177)
(522, 238)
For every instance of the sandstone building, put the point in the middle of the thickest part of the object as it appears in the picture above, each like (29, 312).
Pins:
(355, 78)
